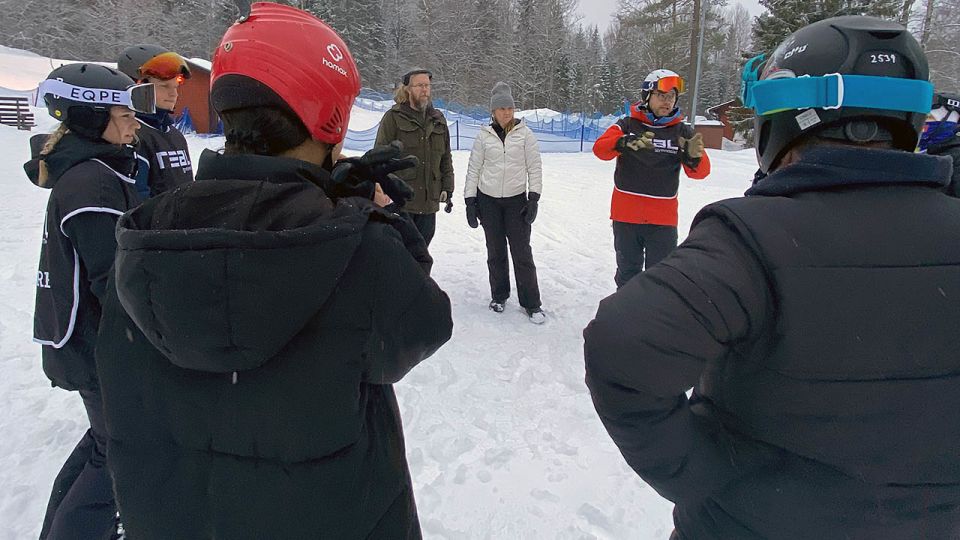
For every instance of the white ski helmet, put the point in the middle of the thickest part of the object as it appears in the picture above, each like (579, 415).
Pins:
(663, 80)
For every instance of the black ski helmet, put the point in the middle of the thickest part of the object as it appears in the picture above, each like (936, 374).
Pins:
(849, 45)
(134, 57)
(88, 117)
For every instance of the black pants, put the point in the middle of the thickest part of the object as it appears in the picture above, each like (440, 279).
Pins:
(502, 222)
(426, 224)
(81, 503)
(638, 244)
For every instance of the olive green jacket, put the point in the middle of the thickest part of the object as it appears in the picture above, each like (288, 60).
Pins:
(427, 137)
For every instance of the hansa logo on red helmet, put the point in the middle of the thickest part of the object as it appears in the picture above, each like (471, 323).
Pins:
(335, 52)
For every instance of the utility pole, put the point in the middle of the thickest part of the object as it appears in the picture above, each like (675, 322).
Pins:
(696, 80)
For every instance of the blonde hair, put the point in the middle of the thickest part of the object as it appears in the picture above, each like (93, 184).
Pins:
(402, 94)
(48, 147)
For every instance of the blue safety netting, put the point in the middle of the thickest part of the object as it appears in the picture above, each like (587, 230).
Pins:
(563, 132)
(556, 132)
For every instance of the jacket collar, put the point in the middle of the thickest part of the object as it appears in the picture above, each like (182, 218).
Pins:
(495, 128)
(640, 112)
(418, 116)
(161, 120)
(72, 150)
(827, 167)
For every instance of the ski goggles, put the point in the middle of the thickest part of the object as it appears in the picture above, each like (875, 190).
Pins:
(139, 97)
(166, 66)
(666, 84)
(830, 91)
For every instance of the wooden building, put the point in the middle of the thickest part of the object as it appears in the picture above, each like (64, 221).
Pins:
(195, 97)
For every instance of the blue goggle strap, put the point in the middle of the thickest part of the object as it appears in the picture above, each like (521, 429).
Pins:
(834, 90)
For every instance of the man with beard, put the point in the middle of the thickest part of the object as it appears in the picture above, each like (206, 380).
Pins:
(423, 131)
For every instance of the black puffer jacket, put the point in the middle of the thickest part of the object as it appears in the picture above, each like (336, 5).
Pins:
(247, 355)
(817, 322)
(950, 147)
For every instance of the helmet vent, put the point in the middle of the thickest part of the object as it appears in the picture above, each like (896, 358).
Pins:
(335, 126)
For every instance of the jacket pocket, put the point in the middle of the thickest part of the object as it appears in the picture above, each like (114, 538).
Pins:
(409, 134)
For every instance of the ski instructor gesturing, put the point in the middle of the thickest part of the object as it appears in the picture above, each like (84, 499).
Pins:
(816, 319)
(650, 146)
(260, 315)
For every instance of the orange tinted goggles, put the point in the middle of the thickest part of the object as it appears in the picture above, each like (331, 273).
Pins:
(165, 66)
(666, 84)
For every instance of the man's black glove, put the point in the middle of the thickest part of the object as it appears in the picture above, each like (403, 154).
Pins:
(529, 212)
(445, 198)
(356, 176)
(470, 203)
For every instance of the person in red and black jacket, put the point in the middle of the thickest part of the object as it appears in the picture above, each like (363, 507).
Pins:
(650, 146)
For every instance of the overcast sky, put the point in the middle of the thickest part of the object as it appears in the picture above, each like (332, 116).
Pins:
(598, 12)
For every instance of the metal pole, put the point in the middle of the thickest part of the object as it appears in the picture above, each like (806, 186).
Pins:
(696, 80)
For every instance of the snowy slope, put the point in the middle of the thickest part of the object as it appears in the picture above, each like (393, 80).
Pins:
(502, 438)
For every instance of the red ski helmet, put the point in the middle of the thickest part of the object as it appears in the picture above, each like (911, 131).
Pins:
(302, 63)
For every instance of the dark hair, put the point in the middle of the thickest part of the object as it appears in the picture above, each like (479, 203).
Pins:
(264, 131)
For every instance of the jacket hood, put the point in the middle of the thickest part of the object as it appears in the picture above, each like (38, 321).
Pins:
(72, 150)
(222, 273)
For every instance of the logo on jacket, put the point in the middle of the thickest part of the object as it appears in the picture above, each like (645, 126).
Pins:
(174, 159)
(665, 146)
(335, 52)
(43, 280)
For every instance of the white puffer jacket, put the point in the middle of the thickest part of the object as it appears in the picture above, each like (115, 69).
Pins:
(504, 169)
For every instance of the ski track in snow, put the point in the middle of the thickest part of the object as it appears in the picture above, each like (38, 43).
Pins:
(502, 439)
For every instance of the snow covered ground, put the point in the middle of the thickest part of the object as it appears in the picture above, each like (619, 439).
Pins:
(502, 438)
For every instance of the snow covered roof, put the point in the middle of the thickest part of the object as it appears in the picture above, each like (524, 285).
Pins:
(202, 63)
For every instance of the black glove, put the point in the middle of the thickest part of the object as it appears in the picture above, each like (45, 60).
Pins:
(623, 141)
(529, 212)
(445, 198)
(470, 203)
(356, 176)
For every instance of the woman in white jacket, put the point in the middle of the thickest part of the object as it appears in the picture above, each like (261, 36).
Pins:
(504, 181)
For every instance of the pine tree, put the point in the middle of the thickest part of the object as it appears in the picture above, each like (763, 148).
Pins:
(783, 17)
